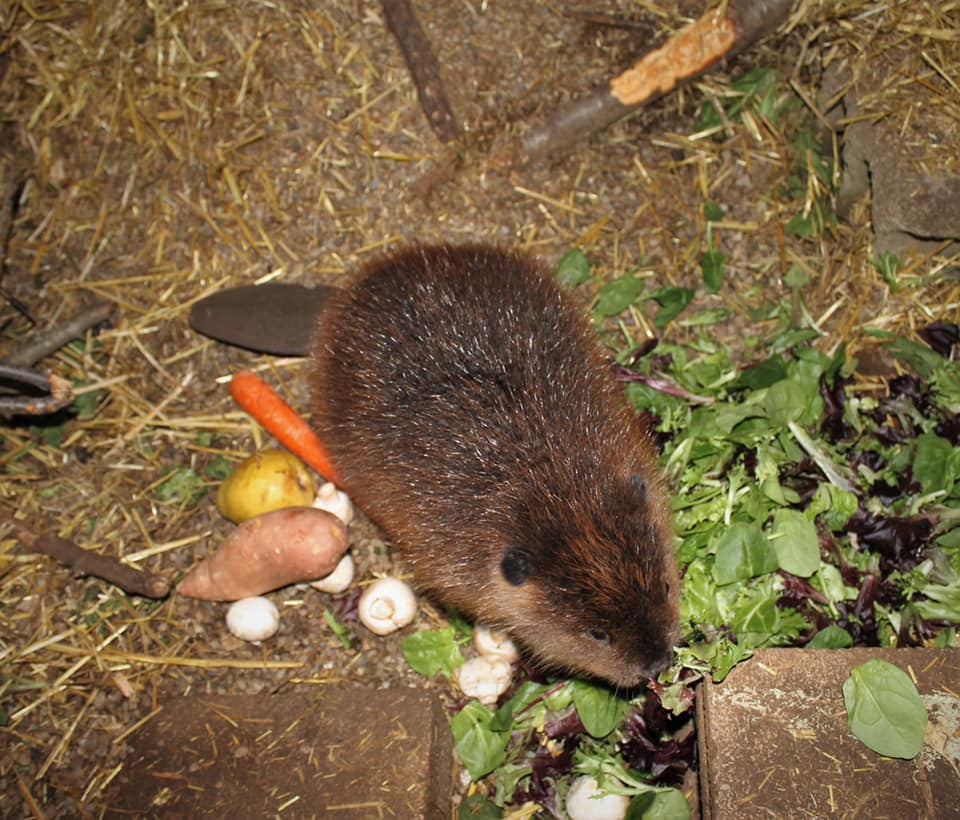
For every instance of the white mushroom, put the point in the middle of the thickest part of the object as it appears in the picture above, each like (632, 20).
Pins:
(484, 678)
(494, 644)
(339, 579)
(253, 619)
(585, 801)
(387, 605)
(334, 501)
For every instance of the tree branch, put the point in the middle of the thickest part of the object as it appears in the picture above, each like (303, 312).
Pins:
(423, 65)
(693, 50)
(59, 392)
(48, 341)
(85, 562)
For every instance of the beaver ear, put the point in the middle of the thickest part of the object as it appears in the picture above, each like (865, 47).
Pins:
(516, 565)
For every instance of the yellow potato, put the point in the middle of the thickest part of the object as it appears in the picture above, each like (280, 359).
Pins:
(268, 480)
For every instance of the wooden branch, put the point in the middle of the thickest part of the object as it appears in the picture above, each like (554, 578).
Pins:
(693, 50)
(85, 562)
(46, 342)
(423, 65)
(59, 392)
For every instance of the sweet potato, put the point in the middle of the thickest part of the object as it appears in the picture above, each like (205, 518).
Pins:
(267, 552)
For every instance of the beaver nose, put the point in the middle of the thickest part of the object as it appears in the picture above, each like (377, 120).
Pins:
(658, 662)
(658, 665)
(636, 673)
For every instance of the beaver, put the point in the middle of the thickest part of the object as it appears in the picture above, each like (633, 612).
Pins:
(470, 411)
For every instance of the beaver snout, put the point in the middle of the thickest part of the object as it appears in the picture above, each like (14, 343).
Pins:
(634, 675)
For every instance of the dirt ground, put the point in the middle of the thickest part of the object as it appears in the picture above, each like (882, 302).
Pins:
(161, 151)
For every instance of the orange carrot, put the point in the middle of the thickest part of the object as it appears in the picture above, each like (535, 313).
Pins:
(278, 418)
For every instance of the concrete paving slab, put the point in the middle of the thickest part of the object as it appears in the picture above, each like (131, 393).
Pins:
(774, 740)
(335, 753)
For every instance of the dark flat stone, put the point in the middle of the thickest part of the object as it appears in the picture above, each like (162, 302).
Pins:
(774, 740)
(900, 153)
(333, 752)
(275, 318)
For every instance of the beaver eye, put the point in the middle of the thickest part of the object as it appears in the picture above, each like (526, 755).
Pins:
(600, 636)
(516, 566)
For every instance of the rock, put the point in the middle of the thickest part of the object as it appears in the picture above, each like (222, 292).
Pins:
(904, 154)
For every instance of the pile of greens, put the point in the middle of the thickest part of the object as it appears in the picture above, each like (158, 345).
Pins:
(810, 513)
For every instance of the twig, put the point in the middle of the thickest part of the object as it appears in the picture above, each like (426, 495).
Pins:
(694, 49)
(7, 208)
(6, 211)
(59, 392)
(48, 341)
(599, 17)
(423, 65)
(29, 799)
(85, 562)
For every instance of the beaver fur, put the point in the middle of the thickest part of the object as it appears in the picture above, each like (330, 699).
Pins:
(470, 410)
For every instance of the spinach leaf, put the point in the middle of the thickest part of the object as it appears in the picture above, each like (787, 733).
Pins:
(672, 301)
(884, 709)
(573, 268)
(935, 463)
(831, 637)
(599, 709)
(663, 805)
(711, 263)
(743, 551)
(480, 748)
(794, 538)
(618, 295)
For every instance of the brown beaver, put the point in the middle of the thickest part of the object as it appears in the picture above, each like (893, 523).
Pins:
(469, 409)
